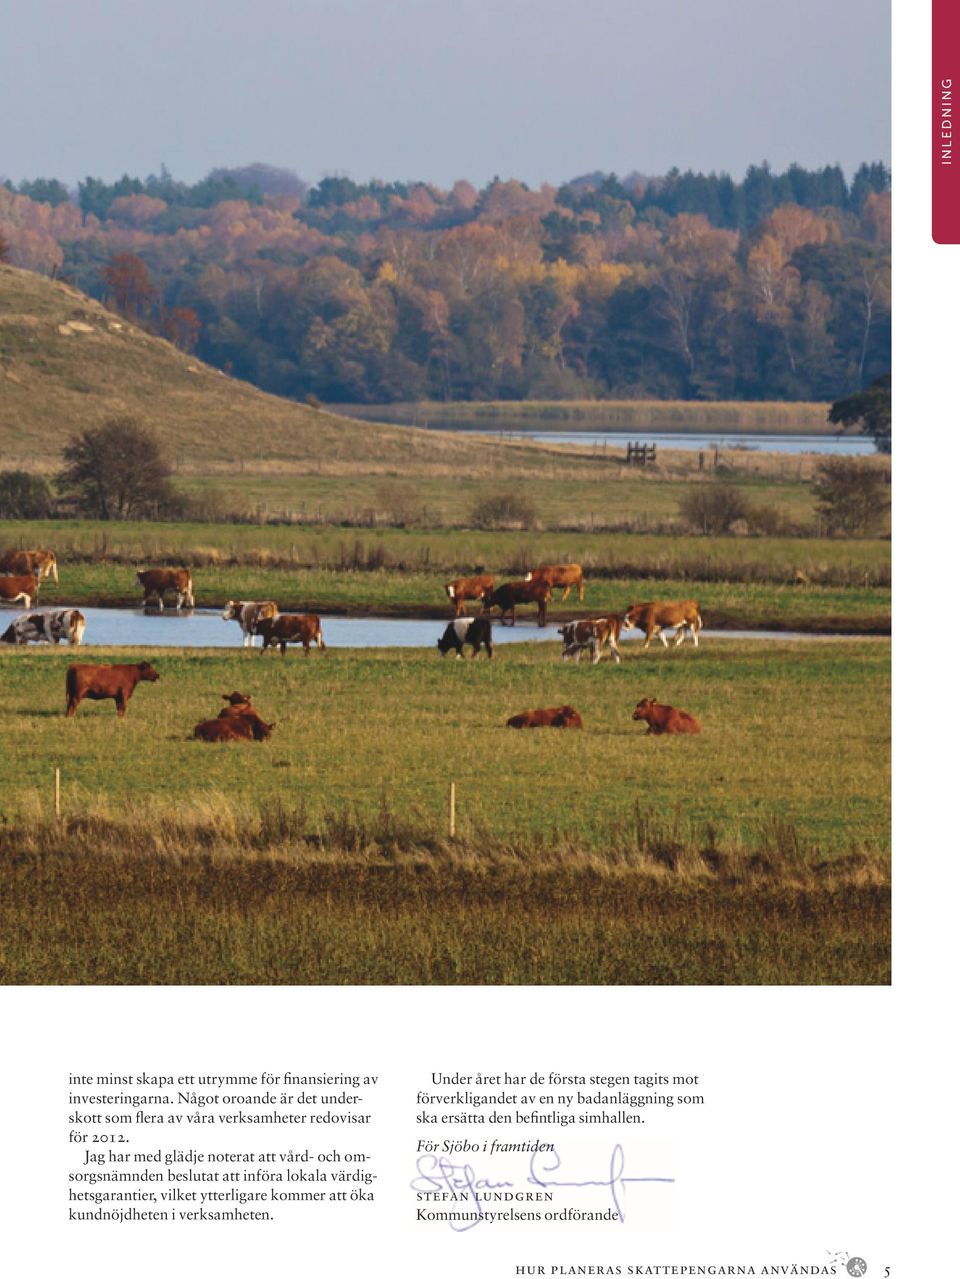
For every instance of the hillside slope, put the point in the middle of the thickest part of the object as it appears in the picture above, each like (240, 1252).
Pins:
(66, 363)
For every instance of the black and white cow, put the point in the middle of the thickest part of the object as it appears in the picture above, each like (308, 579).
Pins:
(46, 626)
(248, 613)
(475, 631)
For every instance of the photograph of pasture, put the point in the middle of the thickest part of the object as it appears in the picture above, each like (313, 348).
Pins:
(446, 581)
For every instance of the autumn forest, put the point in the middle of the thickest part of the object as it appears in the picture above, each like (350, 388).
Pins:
(686, 286)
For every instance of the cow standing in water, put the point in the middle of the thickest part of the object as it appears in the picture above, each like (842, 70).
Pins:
(48, 626)
(248, 613)
(157, 581)
(291, 628)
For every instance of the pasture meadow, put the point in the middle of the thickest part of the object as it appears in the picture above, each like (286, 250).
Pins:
(755, 853)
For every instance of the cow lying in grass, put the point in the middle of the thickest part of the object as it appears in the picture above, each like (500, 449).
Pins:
(549, 717)
(101, 683)
(665, 719)
(237, 722)
(475, 631)
(592, 635)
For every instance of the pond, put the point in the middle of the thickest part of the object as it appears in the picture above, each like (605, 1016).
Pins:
(205, 628)
(616, 441)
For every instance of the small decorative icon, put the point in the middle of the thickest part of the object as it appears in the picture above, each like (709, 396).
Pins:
(856, 1266)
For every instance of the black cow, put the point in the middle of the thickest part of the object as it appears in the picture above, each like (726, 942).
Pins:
(475, 631)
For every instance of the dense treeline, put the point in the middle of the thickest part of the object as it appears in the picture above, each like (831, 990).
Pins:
(684, 286)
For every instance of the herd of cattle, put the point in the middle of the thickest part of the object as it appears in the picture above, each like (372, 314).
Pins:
(21, 573)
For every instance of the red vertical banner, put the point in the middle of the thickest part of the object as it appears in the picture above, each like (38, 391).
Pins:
(946, 121)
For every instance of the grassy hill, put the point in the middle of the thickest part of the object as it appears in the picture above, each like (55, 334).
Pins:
(67, 362)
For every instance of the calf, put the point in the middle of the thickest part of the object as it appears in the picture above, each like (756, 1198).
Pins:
(550, 717)
(565, 575)
(99, 683)
(291, 628)
(40, 563)
(23, 588)
(248, 613)
(475, 631)
(157, 581)
(510, 594)
(468, 588)
(48, 626)
(593, 634)
(652, 617)
(665, 719)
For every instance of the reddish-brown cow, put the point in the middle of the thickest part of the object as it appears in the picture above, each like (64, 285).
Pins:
(468, 588)
(291, 628)
(15, 589)
(548, 717)
(665, 719)
(510, 594)
(100, 683)
(157, 581)
(556, 575)
(224, 730)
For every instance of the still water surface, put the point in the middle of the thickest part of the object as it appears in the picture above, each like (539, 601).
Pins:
(204, 628)
(616, 441)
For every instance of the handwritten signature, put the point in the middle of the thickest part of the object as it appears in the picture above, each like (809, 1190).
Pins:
(438, 1175)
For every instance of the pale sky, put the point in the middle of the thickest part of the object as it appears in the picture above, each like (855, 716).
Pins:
(540, 90)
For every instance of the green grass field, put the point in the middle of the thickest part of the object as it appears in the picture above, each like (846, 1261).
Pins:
(595, 856)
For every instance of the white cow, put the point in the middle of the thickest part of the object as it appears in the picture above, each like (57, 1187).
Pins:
(248, 613)
(46, 626)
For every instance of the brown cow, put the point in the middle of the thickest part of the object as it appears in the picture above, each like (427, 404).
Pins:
(14, 589)
(468, 588)
(653, 617)
(115, 682)
(291, 628)
(239, 707)
(157, 581)
(549, 717)
(565, 575)
(510, 594)
(40, 563)
(665, 719)
(225, 730)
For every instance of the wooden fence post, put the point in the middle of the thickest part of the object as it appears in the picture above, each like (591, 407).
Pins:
(56, 793)
(452, 811)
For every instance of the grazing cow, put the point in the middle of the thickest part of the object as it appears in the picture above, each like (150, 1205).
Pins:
(510, 594)
(468, 588)
(665, 719)
(555, 575)
(40, 563)
(652, 617)
(99, 683)
(48, 626)
(157, 581)
(592, 634)
(24, 588)
(550, 717)
(475, 631)
(248, 613)
(291, 628)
